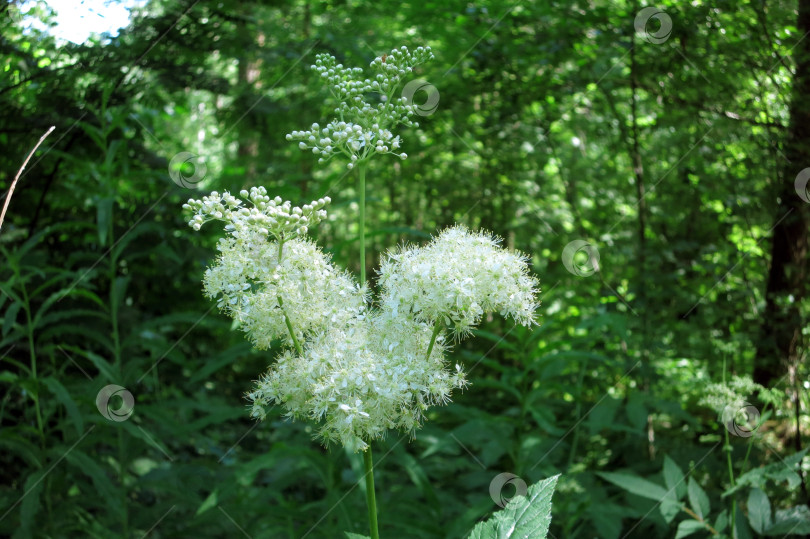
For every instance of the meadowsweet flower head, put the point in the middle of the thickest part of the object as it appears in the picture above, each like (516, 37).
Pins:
(361, 379)
(456, 278)
(361, 127)
(264, 281)
(353, 371)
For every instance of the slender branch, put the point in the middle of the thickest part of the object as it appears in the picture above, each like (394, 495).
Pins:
(19, 173)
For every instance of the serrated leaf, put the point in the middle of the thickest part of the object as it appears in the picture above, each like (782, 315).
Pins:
(688, 527)
(635, 484)
(698, 499)
(523, 516)
(674, 478)
(759, 510)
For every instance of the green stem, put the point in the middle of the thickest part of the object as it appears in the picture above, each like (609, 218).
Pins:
(362, 223)
(436, 329)
(290, 328)
(371, 500)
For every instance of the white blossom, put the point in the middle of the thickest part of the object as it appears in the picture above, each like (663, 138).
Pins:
(456, 278)
(361, 379)
(353, 371)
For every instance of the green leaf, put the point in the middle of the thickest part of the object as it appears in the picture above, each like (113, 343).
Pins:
(103, 217)
(688, 527)
(350, 535)
(636, 411)
(722, 521)
(670, 507)
(523, 516)
(104, 487)
(607, 518)
(759, 510)
(62, 395)
(673, 477)
(210, 501)
(791, 521)
(11, 317)
(698, 499)
(635, 484)
(101, 364)
(30, 501)
(784, 470)
(741, 528)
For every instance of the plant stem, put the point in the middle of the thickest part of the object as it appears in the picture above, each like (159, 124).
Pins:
(290, 328)
(371, 501)
(362, 223)
(436, 329)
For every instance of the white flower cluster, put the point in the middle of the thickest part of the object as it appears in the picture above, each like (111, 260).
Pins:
(355, 371)
(264, 292)
(457, 278)
(361, 379)
(362, 129)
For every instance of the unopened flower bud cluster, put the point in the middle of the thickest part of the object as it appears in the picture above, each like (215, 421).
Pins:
(362, 129)
(267, 216)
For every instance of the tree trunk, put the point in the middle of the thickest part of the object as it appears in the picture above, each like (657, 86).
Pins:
(778, 351)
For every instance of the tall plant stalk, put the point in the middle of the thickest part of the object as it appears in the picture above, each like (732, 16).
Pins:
(368, 459)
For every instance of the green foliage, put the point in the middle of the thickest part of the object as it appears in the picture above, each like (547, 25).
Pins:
(523, 516)
(532, 138)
